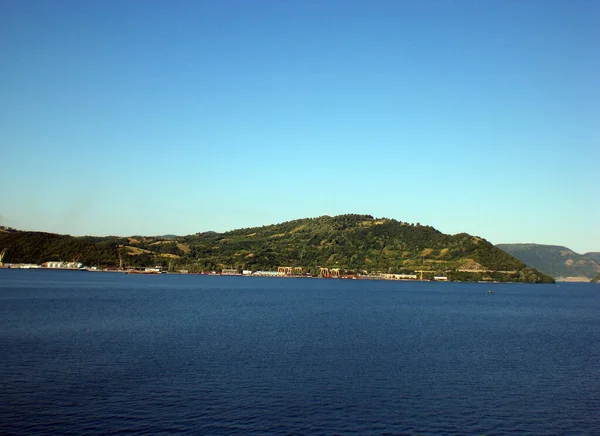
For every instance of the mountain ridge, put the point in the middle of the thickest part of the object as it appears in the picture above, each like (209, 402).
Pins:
(555, 260)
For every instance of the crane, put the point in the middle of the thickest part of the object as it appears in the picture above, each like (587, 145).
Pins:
(423, 271)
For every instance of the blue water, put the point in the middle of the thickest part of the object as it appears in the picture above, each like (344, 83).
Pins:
(106, 353)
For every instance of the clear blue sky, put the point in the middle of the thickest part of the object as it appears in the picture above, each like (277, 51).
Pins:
(152, 117)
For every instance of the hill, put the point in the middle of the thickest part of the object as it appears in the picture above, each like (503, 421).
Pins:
(555, 260)
(103, 252)
(39, 247)
(595, 256)
(354, 244)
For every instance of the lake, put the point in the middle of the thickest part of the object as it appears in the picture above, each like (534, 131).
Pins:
(99, 353)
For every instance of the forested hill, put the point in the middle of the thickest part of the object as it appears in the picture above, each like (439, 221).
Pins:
(555, 260)
(39, 247)
(356, 244)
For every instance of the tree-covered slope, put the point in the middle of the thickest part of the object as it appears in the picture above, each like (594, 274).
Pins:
(39, 247)
(355, 244)
(108, 251)
(554, 260)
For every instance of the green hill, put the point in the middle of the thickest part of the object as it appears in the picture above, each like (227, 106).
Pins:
(103, 252)
(355, 244)
(39, 247)
(554, 260)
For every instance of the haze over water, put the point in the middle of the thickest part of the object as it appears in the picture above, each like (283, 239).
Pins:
(97, 353)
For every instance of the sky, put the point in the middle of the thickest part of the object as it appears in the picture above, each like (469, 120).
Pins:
(122, 117)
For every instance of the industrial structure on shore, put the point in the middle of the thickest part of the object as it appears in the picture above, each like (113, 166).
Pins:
(282, 271)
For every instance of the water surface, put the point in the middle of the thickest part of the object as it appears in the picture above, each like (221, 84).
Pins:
(99, 353)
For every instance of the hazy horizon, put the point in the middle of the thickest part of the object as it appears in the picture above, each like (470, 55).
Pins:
(124, 117)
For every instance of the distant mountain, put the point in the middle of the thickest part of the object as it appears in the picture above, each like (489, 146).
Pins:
(595, 256)
(352, 244)
(555, 260)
